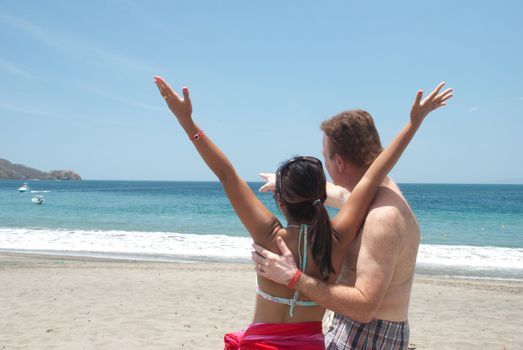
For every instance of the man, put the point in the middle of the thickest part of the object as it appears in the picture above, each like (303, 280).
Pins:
(371, 295)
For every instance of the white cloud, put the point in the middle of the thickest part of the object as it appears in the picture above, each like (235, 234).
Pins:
(73, 46)
(69, 117)
(109, 96)
(21, 24)
(25, 110)
(473, 109)
(12, 68)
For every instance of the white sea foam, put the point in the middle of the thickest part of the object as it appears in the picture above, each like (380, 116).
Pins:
(169, 245)
(471, 256)
(451, 259)
(485, 261)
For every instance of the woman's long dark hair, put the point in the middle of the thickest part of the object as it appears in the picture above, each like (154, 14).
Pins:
(300, 184)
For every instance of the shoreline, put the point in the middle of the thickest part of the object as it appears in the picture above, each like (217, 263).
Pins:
(81, 302)
(435, 272)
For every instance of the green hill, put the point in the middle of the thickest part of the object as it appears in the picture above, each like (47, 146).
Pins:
(12, 171)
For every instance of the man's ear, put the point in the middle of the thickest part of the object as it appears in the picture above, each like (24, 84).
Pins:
(339, 163)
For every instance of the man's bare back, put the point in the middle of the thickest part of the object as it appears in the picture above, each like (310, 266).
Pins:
(389, 215)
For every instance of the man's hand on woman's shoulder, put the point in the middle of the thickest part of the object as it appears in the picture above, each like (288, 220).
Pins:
(277, 268)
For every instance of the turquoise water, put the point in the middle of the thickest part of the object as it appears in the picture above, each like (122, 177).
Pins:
(188, 207)
(480, 215)
(464, 227)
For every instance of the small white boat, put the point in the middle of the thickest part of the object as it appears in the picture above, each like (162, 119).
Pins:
(24, 188)
(38, 200)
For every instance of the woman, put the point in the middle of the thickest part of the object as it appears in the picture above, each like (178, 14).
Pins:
(282, 319)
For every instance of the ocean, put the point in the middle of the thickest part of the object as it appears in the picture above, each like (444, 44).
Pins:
(467, 230)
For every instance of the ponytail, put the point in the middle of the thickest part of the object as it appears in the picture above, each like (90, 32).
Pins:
(303, 192)
(321, 240)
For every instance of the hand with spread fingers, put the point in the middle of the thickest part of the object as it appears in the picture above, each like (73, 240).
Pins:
(421, 108)
(277, 268)
(181, 107)
(270, 185)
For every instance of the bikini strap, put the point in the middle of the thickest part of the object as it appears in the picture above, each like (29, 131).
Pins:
(302, 255)
(281, 300)
(303, 264)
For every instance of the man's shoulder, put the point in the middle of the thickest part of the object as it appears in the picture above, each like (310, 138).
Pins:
(389, 202)
(388, 210)
(384, 226)
(387, 216)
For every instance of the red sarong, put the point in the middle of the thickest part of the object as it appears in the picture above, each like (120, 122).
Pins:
(277, 336)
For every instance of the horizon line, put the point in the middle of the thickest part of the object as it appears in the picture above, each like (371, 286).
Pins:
(258, 181)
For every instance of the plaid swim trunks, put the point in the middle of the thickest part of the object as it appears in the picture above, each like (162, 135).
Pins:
(347, 334)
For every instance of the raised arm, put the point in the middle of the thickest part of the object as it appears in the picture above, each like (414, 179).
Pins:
(336, 195)
(352, 213)
(282, 268)
(259, 221)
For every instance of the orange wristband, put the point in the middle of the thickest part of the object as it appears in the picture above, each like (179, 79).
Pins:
(294, 279)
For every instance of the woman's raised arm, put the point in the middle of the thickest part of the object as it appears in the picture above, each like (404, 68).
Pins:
(352, 213)
(257, 219)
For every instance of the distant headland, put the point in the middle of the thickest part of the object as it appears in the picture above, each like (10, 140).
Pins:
(12, 171)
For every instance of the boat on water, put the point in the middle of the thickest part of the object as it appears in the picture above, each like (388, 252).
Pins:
(38, 200)
(24, 188)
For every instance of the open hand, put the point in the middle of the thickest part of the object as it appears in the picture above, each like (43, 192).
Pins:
(270, 186)
(181, 107)
(277, 268)
(421, 108)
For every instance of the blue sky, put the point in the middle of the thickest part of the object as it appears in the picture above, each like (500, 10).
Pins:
(77, 91)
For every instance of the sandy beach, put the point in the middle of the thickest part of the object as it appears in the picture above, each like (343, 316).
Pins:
(52, 302)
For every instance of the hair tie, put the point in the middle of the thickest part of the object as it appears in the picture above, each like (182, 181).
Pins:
(316, 203)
